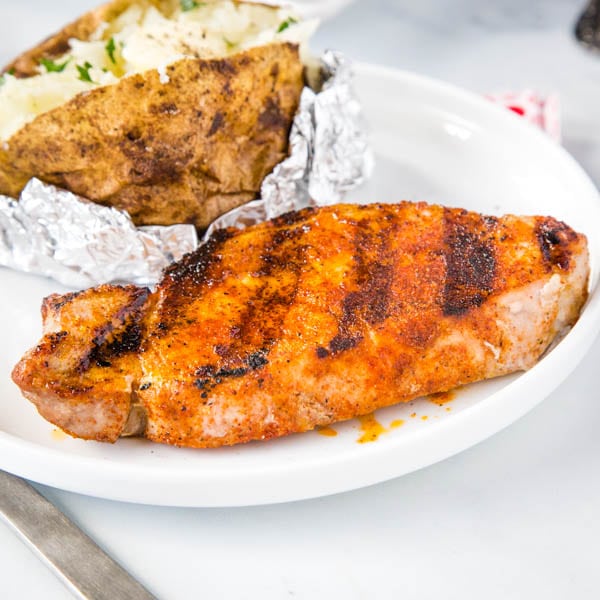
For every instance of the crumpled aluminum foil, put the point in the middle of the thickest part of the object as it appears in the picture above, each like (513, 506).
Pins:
(55, 233)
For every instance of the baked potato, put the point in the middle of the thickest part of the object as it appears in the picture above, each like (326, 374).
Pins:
(173, 111)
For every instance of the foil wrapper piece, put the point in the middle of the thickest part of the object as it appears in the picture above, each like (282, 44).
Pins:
(53, 232)
(342, 158)
(329, 152)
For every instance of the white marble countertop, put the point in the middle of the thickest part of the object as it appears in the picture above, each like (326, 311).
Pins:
(514, 517)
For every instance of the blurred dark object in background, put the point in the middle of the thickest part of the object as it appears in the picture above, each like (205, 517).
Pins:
(587, 29)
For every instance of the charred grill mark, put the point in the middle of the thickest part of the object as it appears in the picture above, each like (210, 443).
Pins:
(128, 341)
(54, 339)
(274, 261)
(205, 371)
(57, 302)
(470, 262)
(235, 372)
(188, 277)
(322, 352)
(258, 325)
(209, 376)
(281, 255)
(221, 349)
(122, 335)
(193, 268)
(293, 217)
(258, 359)
(370, 303)
(554, 239)
(344, 340)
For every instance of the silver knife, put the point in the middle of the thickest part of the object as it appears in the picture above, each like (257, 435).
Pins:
(80, 563)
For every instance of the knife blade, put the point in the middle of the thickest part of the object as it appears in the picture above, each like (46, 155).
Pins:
(76, 559)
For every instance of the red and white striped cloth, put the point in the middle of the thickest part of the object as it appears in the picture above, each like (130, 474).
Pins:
(542, 111)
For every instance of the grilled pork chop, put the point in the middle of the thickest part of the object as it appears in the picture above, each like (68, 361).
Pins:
(314, 317)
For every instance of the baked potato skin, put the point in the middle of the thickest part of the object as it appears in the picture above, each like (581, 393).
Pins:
(184, 151)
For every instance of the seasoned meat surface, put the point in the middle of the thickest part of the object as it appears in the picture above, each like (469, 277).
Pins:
(314, 317)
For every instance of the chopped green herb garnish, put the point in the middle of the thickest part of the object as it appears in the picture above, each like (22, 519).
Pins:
(110, 50)
(190, 4)
(229, 44)
(285, 24)
(84, 72)
(3, 79)
(53, 67)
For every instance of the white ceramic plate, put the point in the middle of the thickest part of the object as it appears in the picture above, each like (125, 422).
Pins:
(433, 142)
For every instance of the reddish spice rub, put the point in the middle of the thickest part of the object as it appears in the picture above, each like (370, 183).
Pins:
(312, 318)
